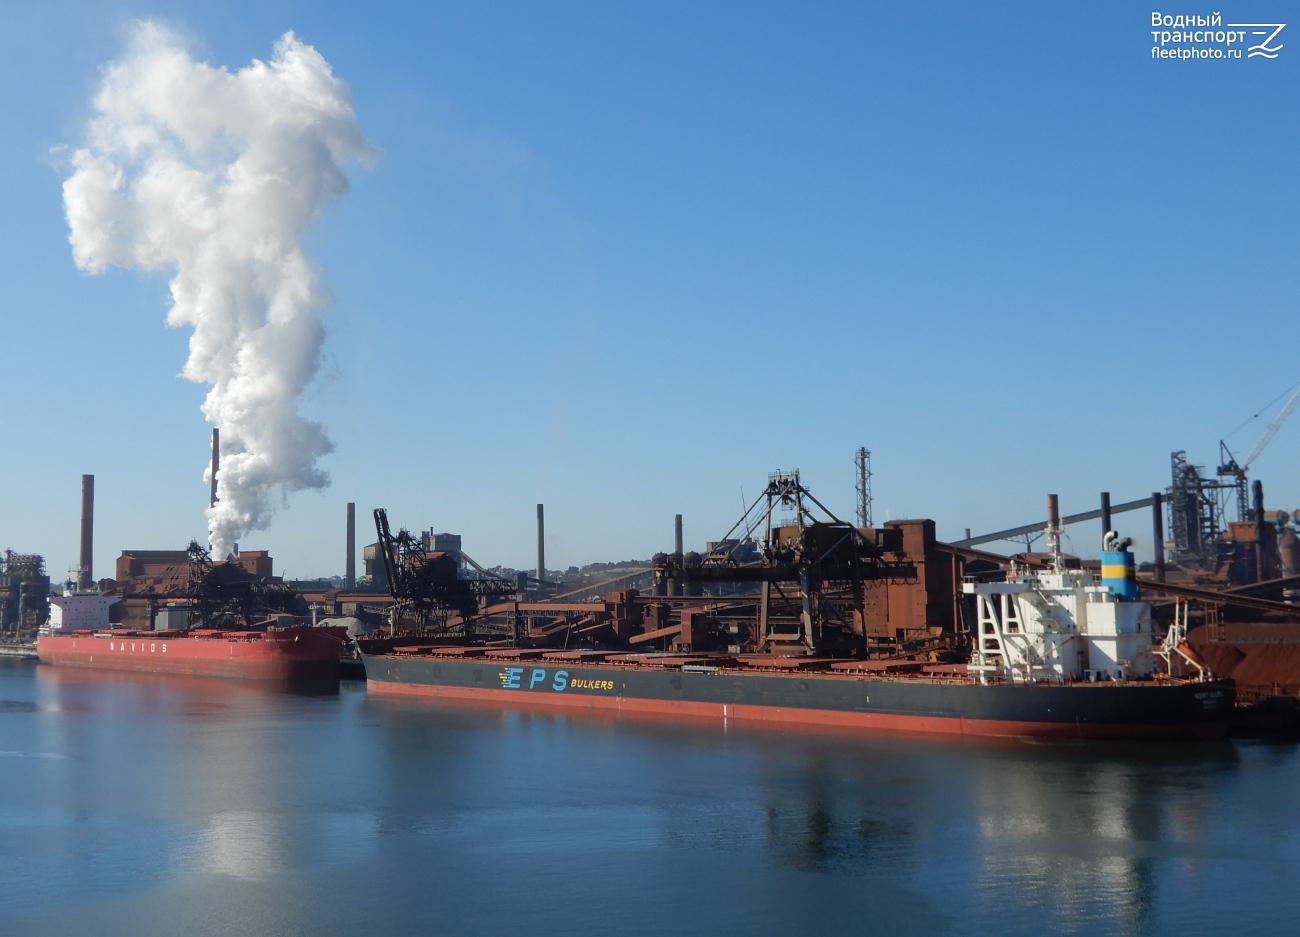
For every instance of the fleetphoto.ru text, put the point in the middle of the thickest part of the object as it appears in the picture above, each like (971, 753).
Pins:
(1192, 36)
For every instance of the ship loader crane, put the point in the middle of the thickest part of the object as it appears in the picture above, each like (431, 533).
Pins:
(426, 585)
(811, 571)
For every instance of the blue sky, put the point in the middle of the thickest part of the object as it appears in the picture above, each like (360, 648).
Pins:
(628, 259)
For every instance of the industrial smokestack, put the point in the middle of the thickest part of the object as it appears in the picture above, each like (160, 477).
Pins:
(216, 463)
(676, 587)
(1261, 551)
(85, 567)
(350, 574)
(541, 547)
(1105, 514)
(1158, 534)
(1289, 549)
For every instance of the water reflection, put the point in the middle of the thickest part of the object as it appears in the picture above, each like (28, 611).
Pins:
(815, 839)
(239, 843)
(242, 810)
(216, 756)
(1078, 829)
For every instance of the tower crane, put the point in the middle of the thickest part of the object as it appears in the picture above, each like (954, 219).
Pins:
(1229, 465)
(1267, 437)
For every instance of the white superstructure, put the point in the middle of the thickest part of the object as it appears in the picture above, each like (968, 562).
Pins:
(1057, 625)
(74, 611)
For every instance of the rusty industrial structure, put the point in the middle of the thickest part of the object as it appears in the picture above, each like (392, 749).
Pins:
(228, 596)
(426, 584)
(789, 578)
(24, 595)
(185, 588)
(823, 584)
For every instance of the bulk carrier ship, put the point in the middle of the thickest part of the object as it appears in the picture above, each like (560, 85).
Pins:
(79, 632)
(288, 654)
(935, 699)
(1051, 651)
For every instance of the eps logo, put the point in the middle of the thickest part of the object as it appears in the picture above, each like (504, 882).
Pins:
(512, 679)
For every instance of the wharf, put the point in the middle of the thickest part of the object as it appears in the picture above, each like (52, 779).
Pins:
(23, 651)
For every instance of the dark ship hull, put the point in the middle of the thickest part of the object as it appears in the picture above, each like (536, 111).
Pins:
(950, 704)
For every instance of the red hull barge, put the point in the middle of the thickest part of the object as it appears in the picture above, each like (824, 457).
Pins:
(946, 701)
(289, 654)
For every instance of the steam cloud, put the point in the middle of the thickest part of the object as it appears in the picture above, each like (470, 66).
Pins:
(217, 176)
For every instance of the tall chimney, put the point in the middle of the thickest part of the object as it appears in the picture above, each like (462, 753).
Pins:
(216, 463)
(1105, 514)
(1261, 549)
(350, 573)
(676, 586)
(85, 573)
(541, 547)
(1158, 533)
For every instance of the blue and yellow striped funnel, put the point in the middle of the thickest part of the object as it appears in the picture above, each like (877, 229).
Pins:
(1119, 572)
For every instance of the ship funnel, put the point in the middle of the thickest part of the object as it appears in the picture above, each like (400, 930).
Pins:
(1119, 569)
(1105, 515)
(1054, 530)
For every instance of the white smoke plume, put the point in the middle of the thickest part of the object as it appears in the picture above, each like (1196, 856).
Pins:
(216, 176)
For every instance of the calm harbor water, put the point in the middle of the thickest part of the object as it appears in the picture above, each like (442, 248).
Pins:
(142, 805)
